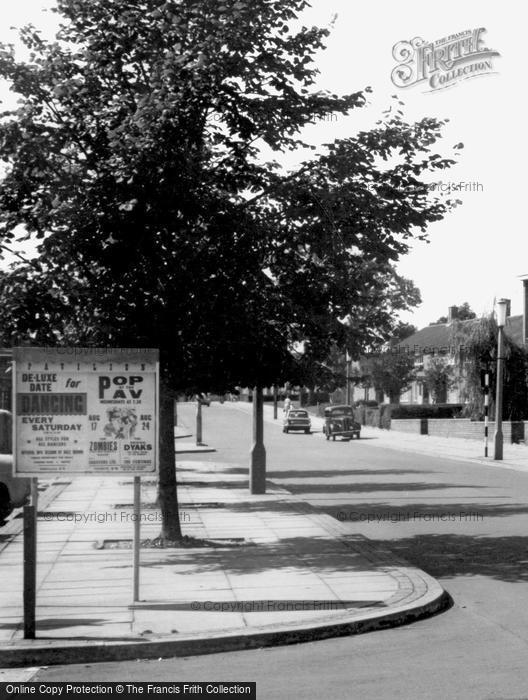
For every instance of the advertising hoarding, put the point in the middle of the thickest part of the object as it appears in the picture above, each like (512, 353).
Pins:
(85, 411)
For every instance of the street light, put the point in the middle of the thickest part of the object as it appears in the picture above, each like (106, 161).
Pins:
(348, 361)
(198, 420)
(502, 306)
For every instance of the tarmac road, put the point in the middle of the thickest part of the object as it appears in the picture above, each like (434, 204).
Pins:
(465, 524)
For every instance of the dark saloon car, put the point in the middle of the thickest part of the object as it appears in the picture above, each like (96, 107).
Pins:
(339, 420)
(296, 419)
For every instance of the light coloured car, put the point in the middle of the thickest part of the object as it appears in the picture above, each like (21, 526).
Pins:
(296, 419)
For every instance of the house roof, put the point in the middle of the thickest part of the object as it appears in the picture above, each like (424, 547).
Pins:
(437, 339)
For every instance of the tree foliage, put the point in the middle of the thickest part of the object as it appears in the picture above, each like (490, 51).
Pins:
(464, 312)
(389, 372)
(403, 331)
(439, 377)
(134, 160)
(476, 345)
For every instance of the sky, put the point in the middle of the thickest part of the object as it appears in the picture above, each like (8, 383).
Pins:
(477, 253)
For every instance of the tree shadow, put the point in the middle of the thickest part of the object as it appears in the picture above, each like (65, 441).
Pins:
(59, 622)
(425, 512)
(447, 555)
(262, 605)
(291, 554)
(322, 487)
(215, 484)
(307, 474)
(442, 556)
(376, 486)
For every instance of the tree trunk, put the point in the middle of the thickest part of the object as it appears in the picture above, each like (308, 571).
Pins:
(168, 496)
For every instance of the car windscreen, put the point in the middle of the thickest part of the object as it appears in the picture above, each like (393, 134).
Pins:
(297, 414)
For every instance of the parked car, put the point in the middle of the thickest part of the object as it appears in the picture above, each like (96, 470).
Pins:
(14, 492)
(296, 419)
(339, 420)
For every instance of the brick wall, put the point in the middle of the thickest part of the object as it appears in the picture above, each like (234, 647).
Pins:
(407, 425)
(461, 428)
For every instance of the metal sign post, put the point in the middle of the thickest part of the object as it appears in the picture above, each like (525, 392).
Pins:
(30, 570)
(137, 536)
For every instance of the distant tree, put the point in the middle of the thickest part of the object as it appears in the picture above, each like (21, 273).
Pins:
(439, 378)
(388, 372)
(464, 312)
(403, 331)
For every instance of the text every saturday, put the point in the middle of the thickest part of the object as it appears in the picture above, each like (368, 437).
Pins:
(45, 423)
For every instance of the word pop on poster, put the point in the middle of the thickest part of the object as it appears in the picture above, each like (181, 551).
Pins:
(85, 411)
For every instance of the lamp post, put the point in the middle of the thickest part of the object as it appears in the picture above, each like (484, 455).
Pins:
(198, 420)
(257, 465)
(348, 361)
(502, 306)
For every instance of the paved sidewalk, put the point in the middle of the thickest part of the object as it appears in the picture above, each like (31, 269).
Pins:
(280, 572)
(515, 456)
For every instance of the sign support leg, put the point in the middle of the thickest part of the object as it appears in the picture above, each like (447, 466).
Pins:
(137, 533)
(30, 562)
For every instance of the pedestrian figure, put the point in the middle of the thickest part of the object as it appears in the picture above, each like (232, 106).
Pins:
(287, 404)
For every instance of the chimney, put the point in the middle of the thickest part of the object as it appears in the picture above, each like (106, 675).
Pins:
(525, 309)
(452, 313)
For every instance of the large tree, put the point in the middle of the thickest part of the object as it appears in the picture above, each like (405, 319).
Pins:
(134, 159)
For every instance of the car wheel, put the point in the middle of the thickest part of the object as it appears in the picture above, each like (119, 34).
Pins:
(333, 438)
(307, 431)
(286, 430)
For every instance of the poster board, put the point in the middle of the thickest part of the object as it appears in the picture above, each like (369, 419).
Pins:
(85, 411)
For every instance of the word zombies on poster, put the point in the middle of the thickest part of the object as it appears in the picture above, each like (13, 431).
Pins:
(85, 411)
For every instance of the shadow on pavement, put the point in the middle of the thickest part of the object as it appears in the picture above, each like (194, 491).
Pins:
(288, 555)
(374, 486)
(434, 512)
(307, 474)
(447, 556)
